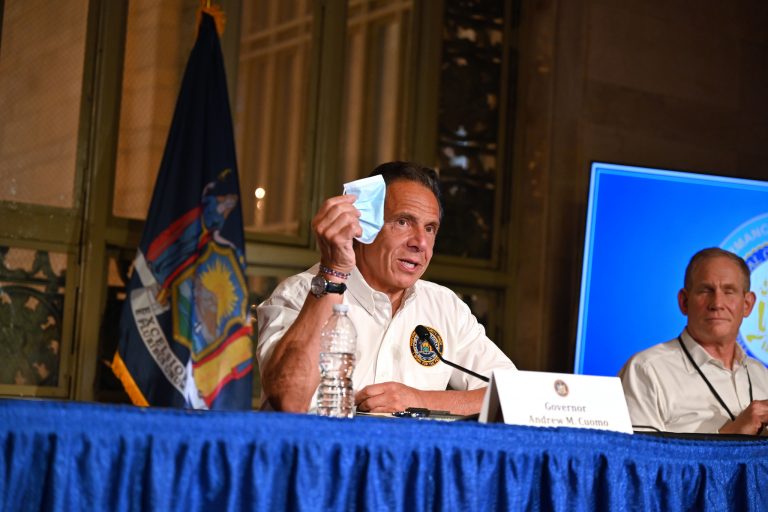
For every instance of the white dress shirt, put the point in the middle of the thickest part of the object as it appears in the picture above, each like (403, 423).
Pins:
(664, 391)
(384, 341)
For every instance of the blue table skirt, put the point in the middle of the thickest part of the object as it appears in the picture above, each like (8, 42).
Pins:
(76, 456)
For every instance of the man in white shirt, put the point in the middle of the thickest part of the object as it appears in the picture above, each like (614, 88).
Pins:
(702, 381)
(381, 284)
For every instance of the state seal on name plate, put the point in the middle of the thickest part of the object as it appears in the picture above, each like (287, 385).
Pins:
(561, 388)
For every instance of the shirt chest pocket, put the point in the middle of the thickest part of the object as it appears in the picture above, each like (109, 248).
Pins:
(426, 371)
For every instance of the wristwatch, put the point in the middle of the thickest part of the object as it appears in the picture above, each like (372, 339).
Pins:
(320, 286)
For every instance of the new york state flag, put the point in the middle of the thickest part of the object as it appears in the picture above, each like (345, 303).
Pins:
(184, 330)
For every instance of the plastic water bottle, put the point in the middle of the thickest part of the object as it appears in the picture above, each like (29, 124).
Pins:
(338, 340)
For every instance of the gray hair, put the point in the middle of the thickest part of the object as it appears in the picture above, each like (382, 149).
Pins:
(716, 252)
(410, 171)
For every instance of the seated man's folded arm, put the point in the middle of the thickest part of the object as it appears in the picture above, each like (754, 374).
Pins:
(289, 350)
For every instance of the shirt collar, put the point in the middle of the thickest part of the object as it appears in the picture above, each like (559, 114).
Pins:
(701, 356)
(369, 298)
(740, 357)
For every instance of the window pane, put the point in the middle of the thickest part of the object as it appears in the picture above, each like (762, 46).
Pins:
(270, 112)
(468, 125)
(108, 387)
(159, 37)
(377, 41)
(31, 316)
(41, 73)
(485, 303)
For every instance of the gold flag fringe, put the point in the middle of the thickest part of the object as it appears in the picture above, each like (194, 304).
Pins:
(130, 386)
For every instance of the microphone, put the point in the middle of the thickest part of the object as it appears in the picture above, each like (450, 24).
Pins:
(423, 334)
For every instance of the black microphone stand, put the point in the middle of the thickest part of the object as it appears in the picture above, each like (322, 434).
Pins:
(423, 335)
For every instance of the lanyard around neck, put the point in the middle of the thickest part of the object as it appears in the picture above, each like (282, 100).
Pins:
(709, 384)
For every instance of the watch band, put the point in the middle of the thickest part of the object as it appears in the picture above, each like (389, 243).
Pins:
(321, 286)
(331, 287)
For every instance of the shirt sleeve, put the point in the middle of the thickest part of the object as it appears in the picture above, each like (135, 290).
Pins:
(277, 314)
(641, 390)
(474, 351)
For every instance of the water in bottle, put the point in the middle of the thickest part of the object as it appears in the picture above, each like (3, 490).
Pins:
(338, 339)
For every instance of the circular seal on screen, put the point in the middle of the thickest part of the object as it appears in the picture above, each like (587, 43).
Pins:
(561, 388)
(750, 241)
(422, 352)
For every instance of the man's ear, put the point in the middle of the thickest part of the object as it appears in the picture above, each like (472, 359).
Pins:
(682, 301)
(749, 302)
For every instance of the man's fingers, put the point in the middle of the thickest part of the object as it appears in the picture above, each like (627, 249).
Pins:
(386, 397)
(331, 202)
(339, 229)
(335, 225)
(369, 391)
(380, 403)
(335, 214)
(338, 224)
(761, 412)
(373, 398)
(335, 204)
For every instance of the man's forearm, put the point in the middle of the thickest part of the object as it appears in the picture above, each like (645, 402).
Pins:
(291, 375)
(455, 402)
(289, 379)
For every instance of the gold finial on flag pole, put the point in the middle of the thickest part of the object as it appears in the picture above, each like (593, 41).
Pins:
(208, 7)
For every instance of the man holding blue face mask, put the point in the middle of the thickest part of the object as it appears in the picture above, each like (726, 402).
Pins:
(375, 244)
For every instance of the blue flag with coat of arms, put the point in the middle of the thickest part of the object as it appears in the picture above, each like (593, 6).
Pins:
(184, 330)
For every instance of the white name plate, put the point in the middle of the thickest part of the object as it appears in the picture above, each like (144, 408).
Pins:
(542, 399)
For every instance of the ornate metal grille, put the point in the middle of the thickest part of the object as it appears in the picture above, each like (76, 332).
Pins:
(468, 124)
(31, 310)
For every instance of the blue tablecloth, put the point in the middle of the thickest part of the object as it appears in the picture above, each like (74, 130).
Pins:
(76, 456)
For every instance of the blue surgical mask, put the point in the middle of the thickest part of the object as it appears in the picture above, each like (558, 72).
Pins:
(370, 194)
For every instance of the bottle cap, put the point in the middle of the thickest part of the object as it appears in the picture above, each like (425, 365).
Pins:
(340, 308)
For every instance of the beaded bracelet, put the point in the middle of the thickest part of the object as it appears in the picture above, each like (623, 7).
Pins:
(336, 273)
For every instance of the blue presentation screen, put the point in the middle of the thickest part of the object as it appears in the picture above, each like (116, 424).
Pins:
(643, 225)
